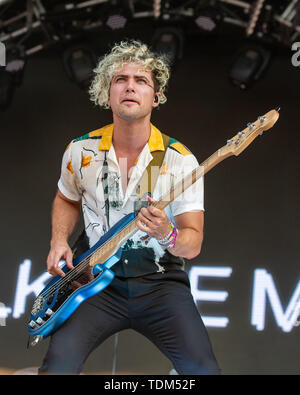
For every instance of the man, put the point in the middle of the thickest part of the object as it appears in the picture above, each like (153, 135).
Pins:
(101, 172)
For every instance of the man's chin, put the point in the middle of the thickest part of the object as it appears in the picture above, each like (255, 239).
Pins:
(129, 116)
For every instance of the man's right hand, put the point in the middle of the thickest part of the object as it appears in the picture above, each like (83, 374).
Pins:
(57, 252)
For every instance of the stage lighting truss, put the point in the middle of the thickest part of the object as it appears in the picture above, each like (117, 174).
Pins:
(37, 24)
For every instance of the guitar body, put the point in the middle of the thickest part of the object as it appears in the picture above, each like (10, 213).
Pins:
(62, 295)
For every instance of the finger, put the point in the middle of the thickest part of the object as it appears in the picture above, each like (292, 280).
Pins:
(56, 262)
(150, 221)
(156, 212)
(145, 213)
(52, 263)
(150, 200)
(69, 259)
(56, 271)
(59, 271)
(146, 219)
(143, 227)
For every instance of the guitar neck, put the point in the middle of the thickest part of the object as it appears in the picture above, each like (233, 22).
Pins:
(190, 179)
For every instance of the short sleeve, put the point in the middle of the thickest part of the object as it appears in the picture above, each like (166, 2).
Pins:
(67, 183)
(192, 199)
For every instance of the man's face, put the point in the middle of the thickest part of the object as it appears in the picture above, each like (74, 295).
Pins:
(132, 93)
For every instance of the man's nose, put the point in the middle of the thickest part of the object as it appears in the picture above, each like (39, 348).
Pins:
(130, 85)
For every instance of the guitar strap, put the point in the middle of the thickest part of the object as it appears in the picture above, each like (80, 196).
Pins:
(150, 176)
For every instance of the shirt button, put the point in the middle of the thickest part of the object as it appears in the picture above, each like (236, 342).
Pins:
(126, 261)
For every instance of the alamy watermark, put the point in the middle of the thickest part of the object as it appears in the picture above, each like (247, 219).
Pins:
(2, 54)
(4, 312)
(296, 56)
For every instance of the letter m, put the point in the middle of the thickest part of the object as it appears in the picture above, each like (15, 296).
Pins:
(263, 287)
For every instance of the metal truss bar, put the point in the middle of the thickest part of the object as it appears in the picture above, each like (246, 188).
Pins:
(89, 3)
(236, 22)
(238, 3)
(19, 32)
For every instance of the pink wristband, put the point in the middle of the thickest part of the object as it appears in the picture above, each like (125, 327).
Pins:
(173, 238)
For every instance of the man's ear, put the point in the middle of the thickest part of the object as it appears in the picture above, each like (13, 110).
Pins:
(156, 100)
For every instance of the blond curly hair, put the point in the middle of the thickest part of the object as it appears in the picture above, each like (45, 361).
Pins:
(125, 52)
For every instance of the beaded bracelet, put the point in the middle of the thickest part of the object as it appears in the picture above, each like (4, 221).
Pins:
(166, 238)
(171, 240)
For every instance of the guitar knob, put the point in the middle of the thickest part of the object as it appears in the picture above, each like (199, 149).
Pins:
(40, 321)
(32, 324)
(250, 125)
(49, 312)
(262, 119)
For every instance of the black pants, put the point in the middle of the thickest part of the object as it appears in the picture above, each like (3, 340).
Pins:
(159, 306)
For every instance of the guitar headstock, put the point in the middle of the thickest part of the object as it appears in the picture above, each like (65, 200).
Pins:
(241, 140)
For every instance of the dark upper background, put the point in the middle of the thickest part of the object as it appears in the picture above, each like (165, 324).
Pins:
(251, 218)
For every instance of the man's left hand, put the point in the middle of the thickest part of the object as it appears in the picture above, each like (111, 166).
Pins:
(153, 221)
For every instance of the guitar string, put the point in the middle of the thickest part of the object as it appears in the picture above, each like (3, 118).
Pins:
(81, 266)
(64, 280)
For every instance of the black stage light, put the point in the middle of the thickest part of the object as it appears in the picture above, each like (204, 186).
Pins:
(208, 19)
(116, 13)
(248, 65)
(79, 62)
(116, 21)
(15, 62)
(168, 41)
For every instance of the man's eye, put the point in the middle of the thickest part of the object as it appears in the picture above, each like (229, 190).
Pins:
(142, 80)
(120, 79)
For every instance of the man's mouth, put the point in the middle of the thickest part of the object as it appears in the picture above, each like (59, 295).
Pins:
(129, 101)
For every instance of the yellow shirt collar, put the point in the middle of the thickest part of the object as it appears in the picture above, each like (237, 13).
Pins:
(155, 141)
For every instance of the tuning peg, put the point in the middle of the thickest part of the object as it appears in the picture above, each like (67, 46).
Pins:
(241, 134)
(229, 141)
(261, 119)
(278, 109)
(250, 126)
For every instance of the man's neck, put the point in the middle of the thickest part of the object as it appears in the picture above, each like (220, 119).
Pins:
(131, 136)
